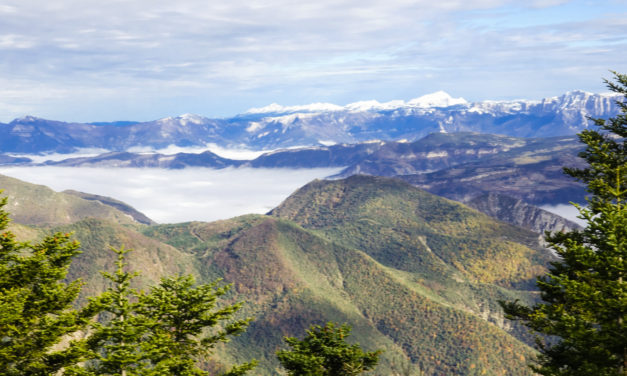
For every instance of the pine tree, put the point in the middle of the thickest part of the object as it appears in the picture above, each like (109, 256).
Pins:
(159, 333)
(324, 352)
(36, 305)
(116, 339)
(181, 315)
(583, 307)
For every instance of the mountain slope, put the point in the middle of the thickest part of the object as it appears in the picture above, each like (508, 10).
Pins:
(153, 160)
(537, 179)
(519, 213)
(33, 204)
(291, 277)
(414, 274)
(117, 204)
(152, 258)
(391, 220)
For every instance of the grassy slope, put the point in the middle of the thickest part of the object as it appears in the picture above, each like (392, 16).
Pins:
(291, 278)
(152, 258)
(411, 230)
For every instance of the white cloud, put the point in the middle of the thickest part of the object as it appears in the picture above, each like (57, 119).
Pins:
(169, 196)
(144, 59)
(238, 154)
(547, 3)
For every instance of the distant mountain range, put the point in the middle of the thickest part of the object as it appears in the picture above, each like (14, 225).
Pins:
(277, 126)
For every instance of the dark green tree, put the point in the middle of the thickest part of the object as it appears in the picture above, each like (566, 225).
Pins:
(324, 352)
(116, 339)
(181, 316)
(36, 304)
(159, 333)
(583, 307)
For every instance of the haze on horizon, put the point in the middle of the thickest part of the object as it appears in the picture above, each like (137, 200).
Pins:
(143, 60)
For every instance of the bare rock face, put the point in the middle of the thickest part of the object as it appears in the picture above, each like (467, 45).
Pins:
(520, 213)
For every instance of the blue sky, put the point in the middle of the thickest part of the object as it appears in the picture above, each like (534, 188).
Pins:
(85, 60)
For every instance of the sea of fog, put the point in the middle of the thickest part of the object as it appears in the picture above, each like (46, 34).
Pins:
(171, 196)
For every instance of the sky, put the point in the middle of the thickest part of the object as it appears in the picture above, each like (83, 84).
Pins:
(105, 60)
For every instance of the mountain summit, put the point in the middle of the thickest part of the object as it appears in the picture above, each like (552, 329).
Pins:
(438, 99)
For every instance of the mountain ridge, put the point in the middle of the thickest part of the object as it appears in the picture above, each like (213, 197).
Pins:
(318, 125)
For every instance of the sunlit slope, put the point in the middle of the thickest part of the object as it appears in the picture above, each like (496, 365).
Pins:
(406, 228)
(33, 204)
(151, 258)
(292, 277)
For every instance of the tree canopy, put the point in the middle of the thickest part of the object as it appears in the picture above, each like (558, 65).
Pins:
(324, 352)
(158, 333)
(37, 305)
(161, 332)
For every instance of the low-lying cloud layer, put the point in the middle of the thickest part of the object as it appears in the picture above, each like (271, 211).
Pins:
(170, 196)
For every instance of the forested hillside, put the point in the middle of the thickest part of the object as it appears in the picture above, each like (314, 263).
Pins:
(414, 274)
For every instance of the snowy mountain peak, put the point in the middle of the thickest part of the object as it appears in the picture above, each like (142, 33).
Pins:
(373, 105)
(437, 99)
(192, 118)
(26, 119)
(274, 107)
(576, 101)
(184, 119)
(313, 107)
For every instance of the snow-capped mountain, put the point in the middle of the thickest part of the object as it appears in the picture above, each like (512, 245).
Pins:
(437, 99)
(277, 126)
(438, 112)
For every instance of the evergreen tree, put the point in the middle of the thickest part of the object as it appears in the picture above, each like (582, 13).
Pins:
(160, 333)
(180, 315)
(36, 304)
(324, 352)
(583, 307)
(116, 340)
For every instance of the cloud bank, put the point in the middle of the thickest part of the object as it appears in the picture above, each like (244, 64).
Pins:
(172, 196)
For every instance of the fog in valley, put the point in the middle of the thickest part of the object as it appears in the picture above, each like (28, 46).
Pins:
(170, 196)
